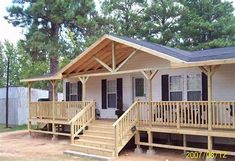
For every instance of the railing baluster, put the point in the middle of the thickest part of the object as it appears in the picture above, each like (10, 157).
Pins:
(233, 114)
(199, 114)
(178, 115)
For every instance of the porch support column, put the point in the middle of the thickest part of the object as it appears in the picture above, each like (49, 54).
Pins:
(30, 99)
(209, 83)
(113, 56)
(53, 83)
(149, 75)
(83, 80)
(209, 71)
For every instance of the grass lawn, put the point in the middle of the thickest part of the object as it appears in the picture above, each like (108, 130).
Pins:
(13, 128)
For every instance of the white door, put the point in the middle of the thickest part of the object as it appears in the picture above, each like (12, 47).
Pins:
(139, 93)
(139, 88)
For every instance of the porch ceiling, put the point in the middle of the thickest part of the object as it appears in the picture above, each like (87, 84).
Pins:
(103, 50)
(88, 62)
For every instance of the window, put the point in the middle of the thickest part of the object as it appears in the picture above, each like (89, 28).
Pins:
(194, 87)
(73, 92)
(112, 93)
(139, 87)
(176, 88)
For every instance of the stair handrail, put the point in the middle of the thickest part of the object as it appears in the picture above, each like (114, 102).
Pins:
(82, 119)
(117, 124)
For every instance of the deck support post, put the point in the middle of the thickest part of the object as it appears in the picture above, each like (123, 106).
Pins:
(184, 142)
(150, 151)
(53, 82)
(138, 149)
(210, 147)
(30, 99)
(83, 80)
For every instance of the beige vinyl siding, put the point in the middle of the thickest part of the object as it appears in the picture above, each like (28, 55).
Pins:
(143, 60)
(223, 84)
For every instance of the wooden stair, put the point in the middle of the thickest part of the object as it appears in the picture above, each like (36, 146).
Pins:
(99, 139)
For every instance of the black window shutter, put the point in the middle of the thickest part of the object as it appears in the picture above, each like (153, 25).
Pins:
(104, 93)
(79, 94)
(165, 87)
(67, 90)
(204, 87)
(119, 94)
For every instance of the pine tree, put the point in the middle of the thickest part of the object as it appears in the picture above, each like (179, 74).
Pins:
(207, 24)
(46, 21)
(162, 21)
(124, 17)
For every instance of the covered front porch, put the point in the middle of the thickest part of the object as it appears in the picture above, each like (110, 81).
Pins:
(77, 119)
(130, 65)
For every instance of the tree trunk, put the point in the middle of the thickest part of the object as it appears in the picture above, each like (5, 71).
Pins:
(54, 65)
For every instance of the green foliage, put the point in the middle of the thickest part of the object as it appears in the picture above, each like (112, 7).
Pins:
(2, 65)
(124, 17)
(207, 24)
(187, 24)
(46, 21)
(21, 65)
(162, 21)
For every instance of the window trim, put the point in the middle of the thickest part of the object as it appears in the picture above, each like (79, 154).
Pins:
(200, 76)
(71, 86)
(135, 88)
(169, 84)
(107, 93)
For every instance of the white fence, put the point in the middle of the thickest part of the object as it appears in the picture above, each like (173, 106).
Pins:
(18, 104)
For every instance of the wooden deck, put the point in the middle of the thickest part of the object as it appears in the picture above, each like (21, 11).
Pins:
(189, 131)
(56, 118)
(109, 136)
(184, 118)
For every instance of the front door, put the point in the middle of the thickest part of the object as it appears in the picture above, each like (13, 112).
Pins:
(139, 88)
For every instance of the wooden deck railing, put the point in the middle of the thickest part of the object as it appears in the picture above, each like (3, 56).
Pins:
(223, 114)
(124, 127)
(82, 119)
(187, 114)
(178, 114)
(62, 110)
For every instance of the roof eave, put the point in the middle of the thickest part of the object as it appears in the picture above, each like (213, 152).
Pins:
(204, 63)
(46, 78)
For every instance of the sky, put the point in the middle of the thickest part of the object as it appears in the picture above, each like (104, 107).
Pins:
(13, 34)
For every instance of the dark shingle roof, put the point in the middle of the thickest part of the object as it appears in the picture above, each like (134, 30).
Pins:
(177, 53)
(213, 54)
(188, 56)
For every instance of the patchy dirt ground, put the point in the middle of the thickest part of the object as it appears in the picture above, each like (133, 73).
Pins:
(18, 146)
